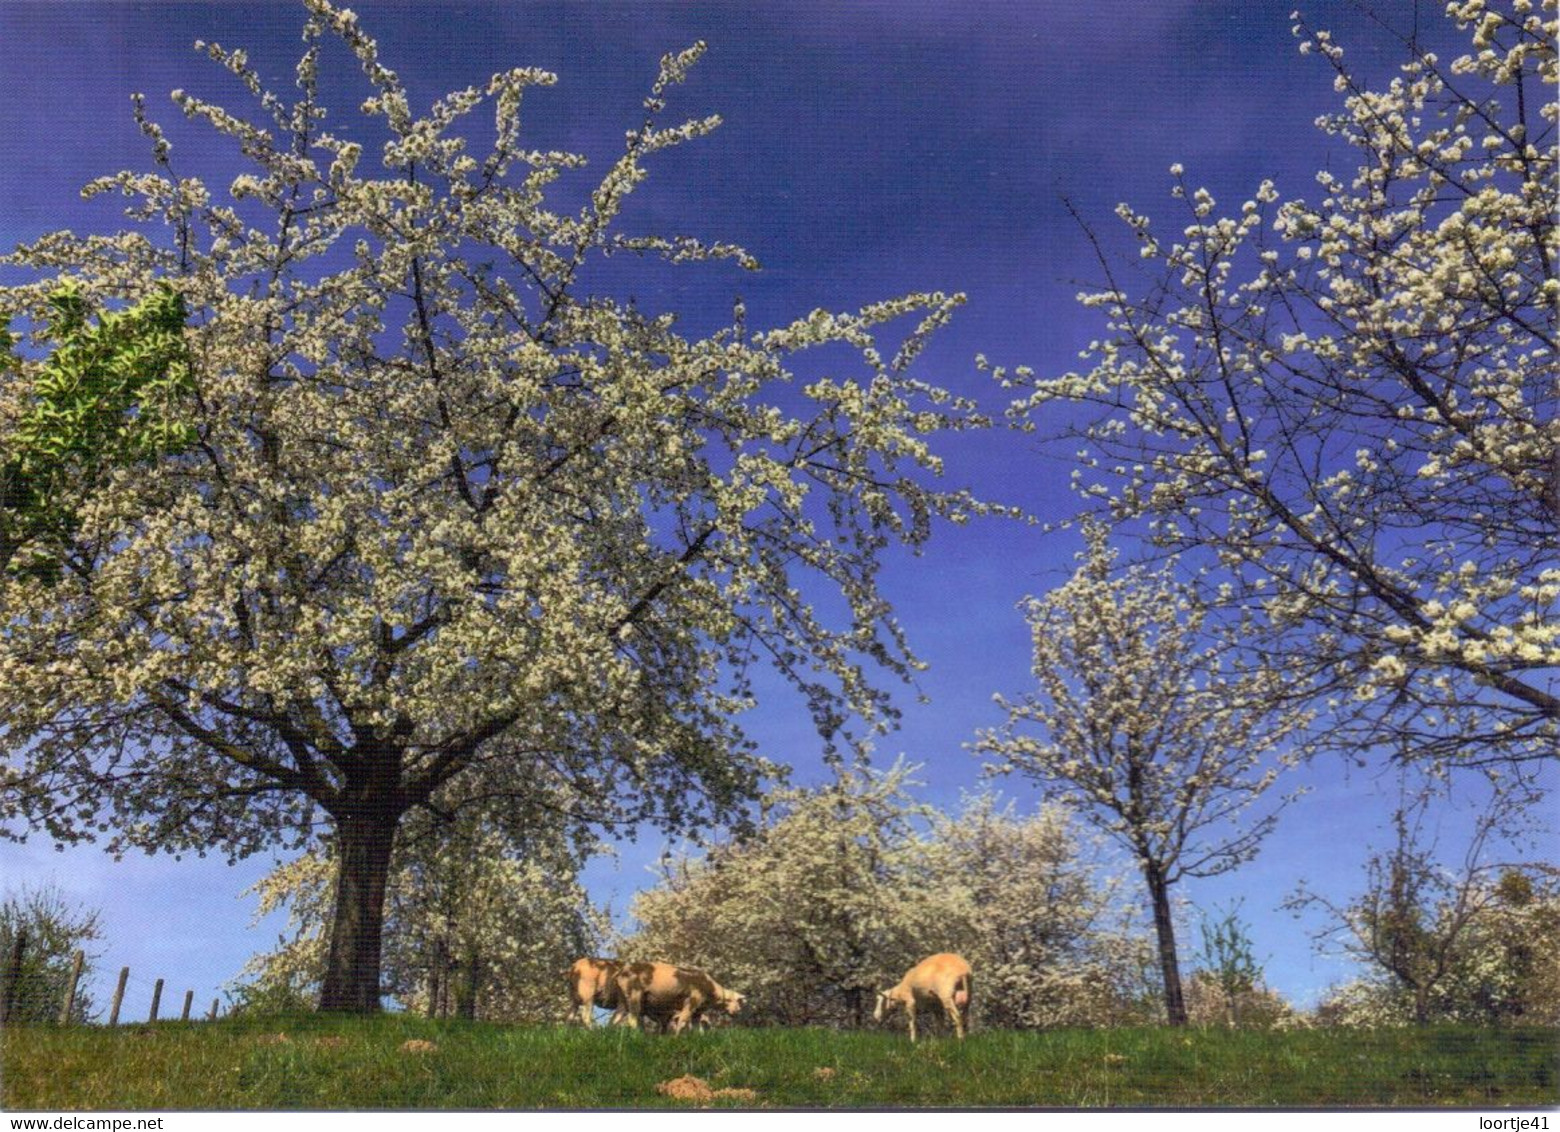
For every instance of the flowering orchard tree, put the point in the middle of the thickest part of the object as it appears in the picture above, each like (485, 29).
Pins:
(809, 913)
(488, 908)
(1052, 933)
(443, 508)
(1349, 404)
(1145, 720)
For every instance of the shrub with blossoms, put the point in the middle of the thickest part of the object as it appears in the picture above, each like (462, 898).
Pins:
(1344, 407)
(1257, 1007)
(1506, 970)
(843, 888)
(444, 508)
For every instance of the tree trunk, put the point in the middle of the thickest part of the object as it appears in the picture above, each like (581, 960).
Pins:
(363, 843)
(1164, 928)
(438, 974)
(467, 981)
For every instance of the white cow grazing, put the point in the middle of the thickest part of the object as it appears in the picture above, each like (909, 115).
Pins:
(945, 979)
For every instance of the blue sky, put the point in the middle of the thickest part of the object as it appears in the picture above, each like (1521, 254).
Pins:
(869, 149)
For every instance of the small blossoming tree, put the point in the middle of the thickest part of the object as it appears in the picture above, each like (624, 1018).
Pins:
(1347, 405)
(444, 508)
(51, 932)
(1144, 721)
(1446, 939)
(807, 912)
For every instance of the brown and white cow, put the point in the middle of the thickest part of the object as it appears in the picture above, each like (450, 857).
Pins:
(675, 997)
(593, 983)
(945, 979)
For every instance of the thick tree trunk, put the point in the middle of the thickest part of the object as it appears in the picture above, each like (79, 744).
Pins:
(363, 843)
(1164, 928)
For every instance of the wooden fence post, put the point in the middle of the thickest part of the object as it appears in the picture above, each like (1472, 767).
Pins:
(119, 996)
(68, 1006)
(13, 973)
(189, 997)
(212, 1017)
(156, 998)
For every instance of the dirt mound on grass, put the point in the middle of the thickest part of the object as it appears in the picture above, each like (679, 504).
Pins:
(698, 1090)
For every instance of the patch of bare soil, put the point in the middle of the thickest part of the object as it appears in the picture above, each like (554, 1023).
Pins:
(698, 1090)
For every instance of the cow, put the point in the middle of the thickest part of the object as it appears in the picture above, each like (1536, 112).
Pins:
(945, 979)
(674, 997)
(593, 983)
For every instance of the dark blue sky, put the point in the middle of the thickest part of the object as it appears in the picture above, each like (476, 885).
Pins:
(869, 149)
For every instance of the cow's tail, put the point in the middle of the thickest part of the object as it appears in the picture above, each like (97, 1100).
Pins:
(963, 991)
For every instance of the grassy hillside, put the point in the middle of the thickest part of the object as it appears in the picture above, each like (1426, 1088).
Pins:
(323, 1063)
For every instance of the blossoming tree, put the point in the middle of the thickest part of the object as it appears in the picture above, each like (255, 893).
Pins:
(1143, 718)
(445, 508)
(1471, 939)
(808, 913)
(1347, 406)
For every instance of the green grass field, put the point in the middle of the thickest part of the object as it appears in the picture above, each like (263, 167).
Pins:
(311, 1062)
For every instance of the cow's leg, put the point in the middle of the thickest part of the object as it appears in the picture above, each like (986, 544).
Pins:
(633, 1003)
(680, 1020)
(586, 1013)
(910, 1013)
(955, 1016)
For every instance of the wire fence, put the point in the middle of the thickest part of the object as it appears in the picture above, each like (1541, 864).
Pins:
(42, 988)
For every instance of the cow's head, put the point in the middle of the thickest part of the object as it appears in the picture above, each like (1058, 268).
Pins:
(730, 1000)
(886, 1002)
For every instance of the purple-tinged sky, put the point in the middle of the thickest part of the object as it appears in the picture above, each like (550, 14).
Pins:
(869, 149)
